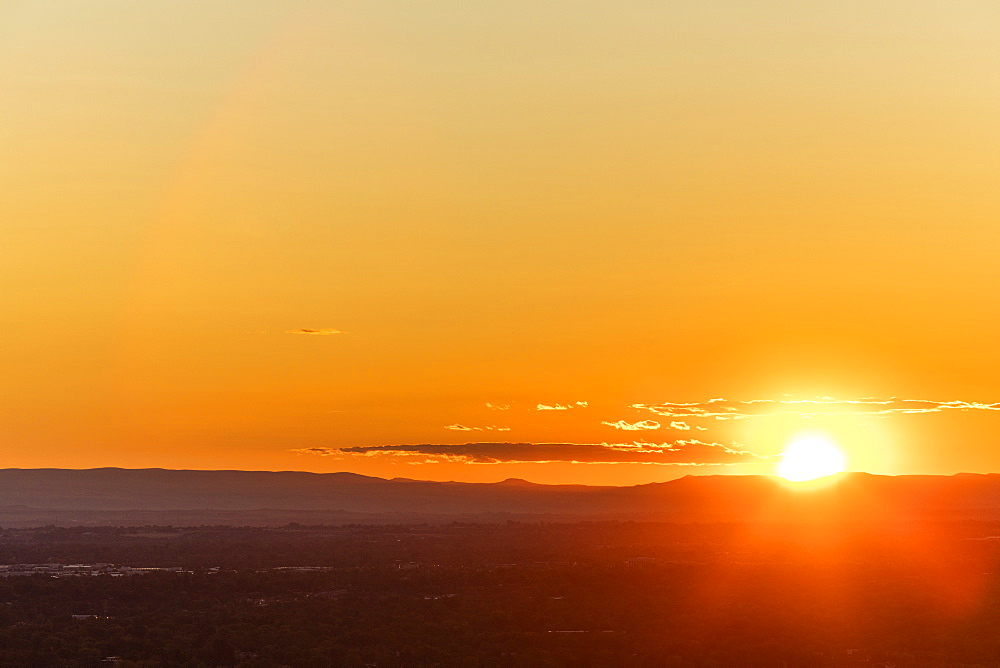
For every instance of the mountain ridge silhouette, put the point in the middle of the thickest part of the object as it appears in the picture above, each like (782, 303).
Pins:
(845, 497)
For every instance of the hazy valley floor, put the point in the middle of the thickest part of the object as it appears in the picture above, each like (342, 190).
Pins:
(513, 594)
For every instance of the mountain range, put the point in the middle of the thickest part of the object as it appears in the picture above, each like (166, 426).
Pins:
(119, 496)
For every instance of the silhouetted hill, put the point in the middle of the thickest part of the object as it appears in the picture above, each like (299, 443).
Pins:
(106, 495)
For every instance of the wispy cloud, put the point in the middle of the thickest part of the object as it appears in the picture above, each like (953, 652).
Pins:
(634, 426)
(315, 332)
(723, 409)
(462, 427)
(682, 452)
(562, 407)
(683, 426)
(498, 407)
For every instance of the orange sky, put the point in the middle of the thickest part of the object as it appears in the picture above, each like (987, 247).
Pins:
(629, 205)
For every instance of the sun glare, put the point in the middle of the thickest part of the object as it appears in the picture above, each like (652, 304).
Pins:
(809, 457)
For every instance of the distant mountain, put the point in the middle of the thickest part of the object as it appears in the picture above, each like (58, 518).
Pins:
(112, 495)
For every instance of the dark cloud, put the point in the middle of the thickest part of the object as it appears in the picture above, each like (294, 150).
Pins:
(315, 332)
(690, 452)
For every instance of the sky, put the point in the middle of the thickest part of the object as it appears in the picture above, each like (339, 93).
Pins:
(571, 242)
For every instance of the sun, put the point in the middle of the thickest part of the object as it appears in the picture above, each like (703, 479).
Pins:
(811, 456)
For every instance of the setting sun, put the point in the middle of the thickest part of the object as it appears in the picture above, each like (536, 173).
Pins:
(809, 457)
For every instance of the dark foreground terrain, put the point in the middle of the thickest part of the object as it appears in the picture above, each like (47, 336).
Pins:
(514, 594)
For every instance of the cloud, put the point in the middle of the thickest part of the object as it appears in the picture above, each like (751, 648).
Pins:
(723, 409)
(462, 427)
(315, 332)
(682, 452)
(562, 407)
(634, 426)
(680, 425)
(498, 407)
